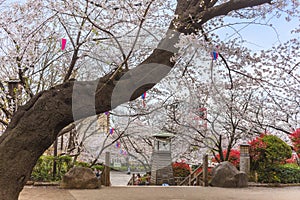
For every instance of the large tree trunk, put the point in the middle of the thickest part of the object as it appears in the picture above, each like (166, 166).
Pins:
(35, 126)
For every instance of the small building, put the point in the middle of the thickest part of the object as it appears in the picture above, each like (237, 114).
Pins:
(161, 168)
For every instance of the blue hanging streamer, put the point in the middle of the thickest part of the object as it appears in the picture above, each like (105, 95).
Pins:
(144, 95)
(214, 55)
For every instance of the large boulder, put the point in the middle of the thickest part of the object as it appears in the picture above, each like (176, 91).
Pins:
(80, 178)
(226, 175)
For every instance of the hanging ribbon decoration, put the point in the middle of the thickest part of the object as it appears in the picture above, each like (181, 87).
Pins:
(111, 131)
(63, 43)
(118, 144)
(214, 55)
(123, 152)
(143, 99)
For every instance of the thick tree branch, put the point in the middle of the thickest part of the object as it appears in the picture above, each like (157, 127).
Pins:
(192, 20)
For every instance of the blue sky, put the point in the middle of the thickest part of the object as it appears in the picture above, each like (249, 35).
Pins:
(261, 36)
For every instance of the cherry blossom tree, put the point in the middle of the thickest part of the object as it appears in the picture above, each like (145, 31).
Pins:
(36, 124)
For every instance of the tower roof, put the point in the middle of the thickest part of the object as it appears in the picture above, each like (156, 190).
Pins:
(163, 135)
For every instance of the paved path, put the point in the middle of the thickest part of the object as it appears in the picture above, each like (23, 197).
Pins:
(119, 178)
(161, 193)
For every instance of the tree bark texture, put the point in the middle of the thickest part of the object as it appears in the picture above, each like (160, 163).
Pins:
(35, 126)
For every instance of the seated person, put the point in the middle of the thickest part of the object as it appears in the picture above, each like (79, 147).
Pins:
(138, 180)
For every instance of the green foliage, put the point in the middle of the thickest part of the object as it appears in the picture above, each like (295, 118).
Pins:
(277, 151)
(43, 170)
(122, 168)
(82, 164)
(288, 173)
(291, 165)
(97, 167)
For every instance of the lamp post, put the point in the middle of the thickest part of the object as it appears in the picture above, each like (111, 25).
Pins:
(14, 90)
(14, 87)
(245, 158)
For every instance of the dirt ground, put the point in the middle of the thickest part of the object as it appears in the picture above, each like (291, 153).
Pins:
(161, 193)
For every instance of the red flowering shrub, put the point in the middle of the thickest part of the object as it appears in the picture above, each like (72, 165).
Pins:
(234, 157)
(256, 147)
(295, 137)
(181, 169)
(291, 160)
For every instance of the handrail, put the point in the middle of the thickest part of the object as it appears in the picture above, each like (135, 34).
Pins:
(131, 180)
(191, 177)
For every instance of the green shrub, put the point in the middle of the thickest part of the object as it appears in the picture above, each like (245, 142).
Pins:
(291, 165)
(268, 150)
(43, 170)
(277, 151)
(267, 155)
(280, 174)
(82, 164)
(98, 167)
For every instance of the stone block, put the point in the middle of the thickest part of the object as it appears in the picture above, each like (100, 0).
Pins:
(80, 178)
(226, 175)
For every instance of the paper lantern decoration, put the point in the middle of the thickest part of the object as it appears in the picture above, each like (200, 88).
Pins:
(63, 43)
(111, 131)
